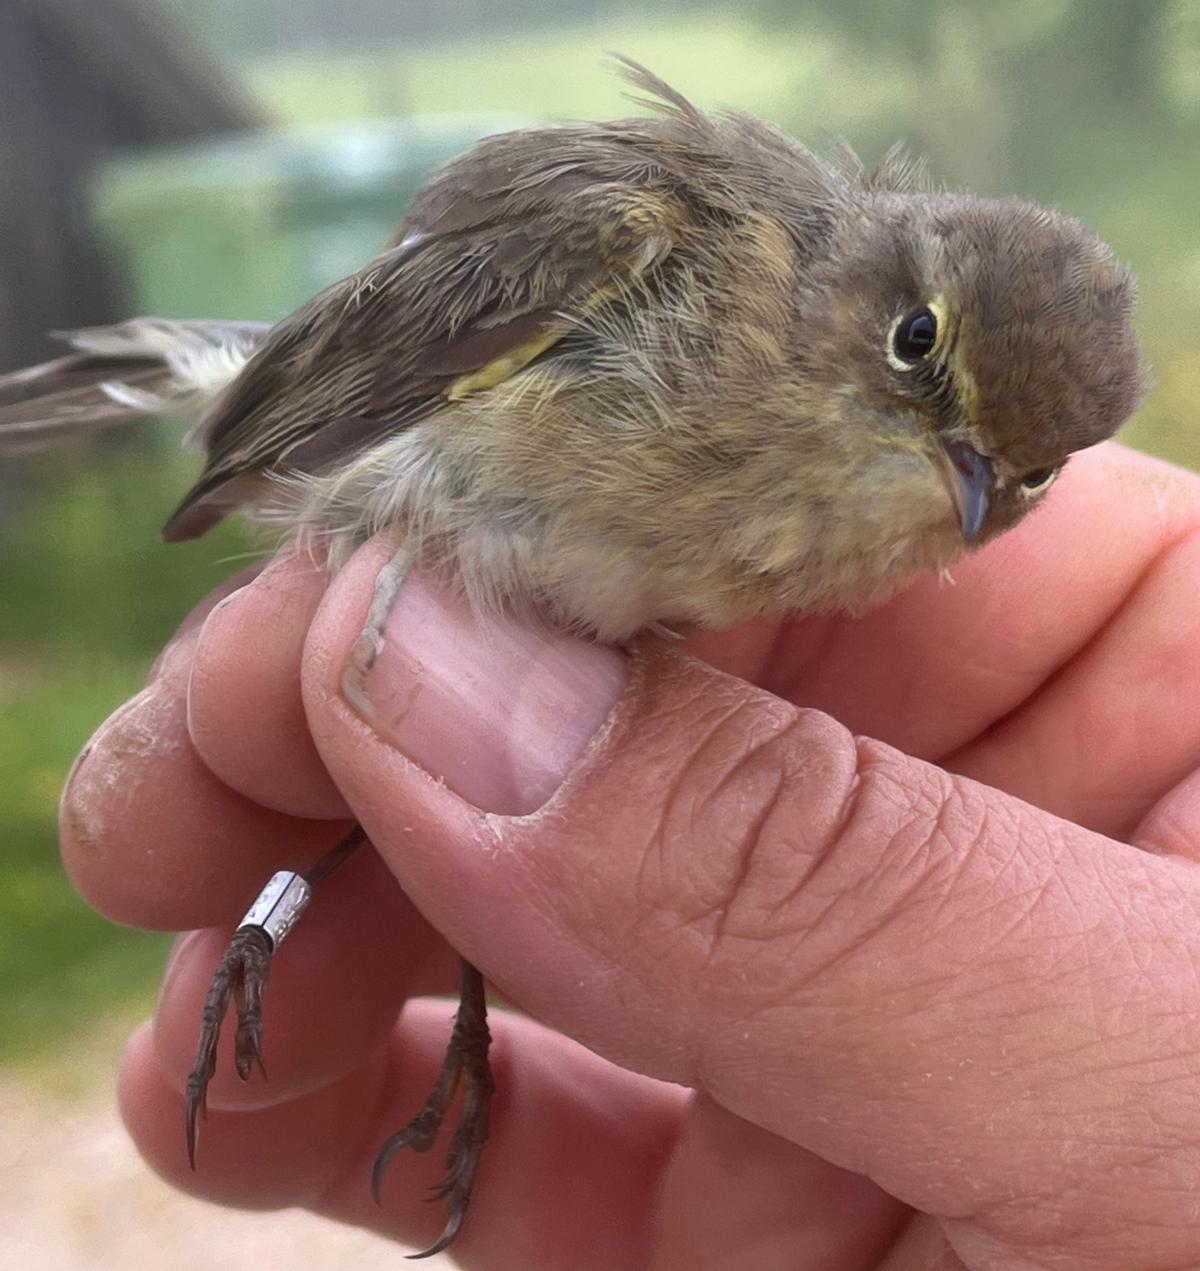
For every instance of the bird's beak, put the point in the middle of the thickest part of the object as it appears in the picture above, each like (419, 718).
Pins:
(970, 477)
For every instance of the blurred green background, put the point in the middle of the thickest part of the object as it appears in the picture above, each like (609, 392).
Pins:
(1091, 105)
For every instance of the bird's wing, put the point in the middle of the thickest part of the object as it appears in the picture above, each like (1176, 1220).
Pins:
(502, 252)
(116, 374)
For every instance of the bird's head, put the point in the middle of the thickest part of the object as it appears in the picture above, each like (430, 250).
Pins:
(995, 335)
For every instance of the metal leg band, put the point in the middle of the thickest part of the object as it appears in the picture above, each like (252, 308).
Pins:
(278, 906)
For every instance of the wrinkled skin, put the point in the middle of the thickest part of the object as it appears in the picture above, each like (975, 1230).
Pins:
(935, 1027)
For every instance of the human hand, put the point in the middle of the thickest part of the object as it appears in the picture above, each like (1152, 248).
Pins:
(932, 1026)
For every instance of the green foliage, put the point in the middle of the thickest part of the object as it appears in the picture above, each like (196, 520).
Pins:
(1015, 94)
(60, 964)
(536, 73)
(87, 561)
(91, 593)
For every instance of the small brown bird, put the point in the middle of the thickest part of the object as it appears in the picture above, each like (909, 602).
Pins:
(672, 370)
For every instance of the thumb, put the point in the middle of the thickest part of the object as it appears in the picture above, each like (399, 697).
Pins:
(849, 947)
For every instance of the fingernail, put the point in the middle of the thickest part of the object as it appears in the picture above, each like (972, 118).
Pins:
(499, 710)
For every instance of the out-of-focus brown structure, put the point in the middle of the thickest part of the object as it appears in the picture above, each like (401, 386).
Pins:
(78, 80)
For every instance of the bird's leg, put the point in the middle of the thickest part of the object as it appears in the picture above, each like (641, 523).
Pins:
(242, 975)
(466, 1064)
(466, 1061)
(243, 970)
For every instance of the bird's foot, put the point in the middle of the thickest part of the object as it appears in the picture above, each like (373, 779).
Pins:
(242, 975)
(466, 1064)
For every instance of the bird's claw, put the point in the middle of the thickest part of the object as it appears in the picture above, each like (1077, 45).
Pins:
(466, 1064)
(241, 975)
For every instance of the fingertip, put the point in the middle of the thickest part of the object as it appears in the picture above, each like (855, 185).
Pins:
(151, 838)
(245, 713)
(102, 790)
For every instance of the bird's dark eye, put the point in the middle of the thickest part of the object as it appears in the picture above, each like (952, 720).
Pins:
(1037, 480)
(915, 336)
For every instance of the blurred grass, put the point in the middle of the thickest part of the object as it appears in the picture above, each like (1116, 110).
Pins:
(98, 595)
(559, 75)
(58, 960)
(91, 592)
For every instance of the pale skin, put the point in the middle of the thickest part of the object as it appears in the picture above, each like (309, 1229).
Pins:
(935, 1027)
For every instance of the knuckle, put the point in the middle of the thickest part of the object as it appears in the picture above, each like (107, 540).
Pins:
(785, 845)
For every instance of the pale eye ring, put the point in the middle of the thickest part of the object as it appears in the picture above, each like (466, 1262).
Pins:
(916, 336)
(1033, 483)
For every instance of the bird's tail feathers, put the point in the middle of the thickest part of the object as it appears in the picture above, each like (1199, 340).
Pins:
(116, 374)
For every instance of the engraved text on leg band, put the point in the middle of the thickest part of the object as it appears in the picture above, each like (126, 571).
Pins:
(278, 906)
